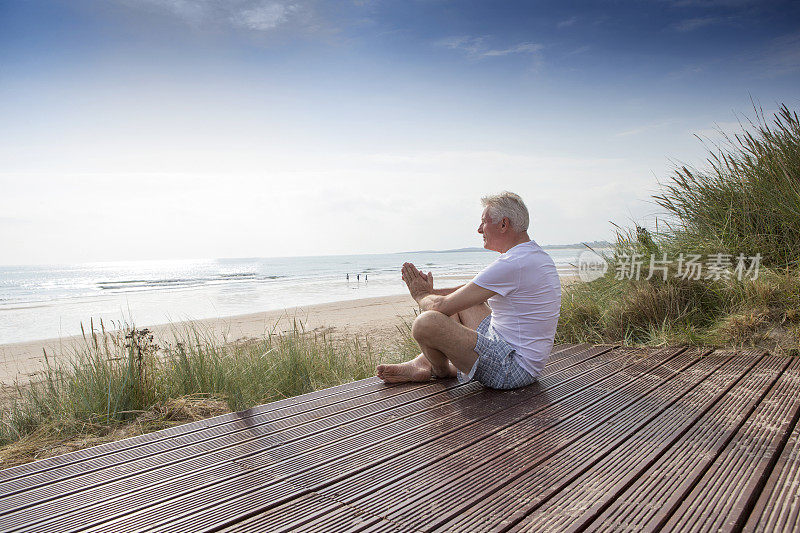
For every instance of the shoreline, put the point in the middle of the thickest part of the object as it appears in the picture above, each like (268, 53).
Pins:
(375, 318)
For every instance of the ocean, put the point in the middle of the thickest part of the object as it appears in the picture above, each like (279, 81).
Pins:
(41, 302)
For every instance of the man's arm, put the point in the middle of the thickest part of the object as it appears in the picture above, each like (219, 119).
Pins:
(464, 297)
(445, 292)
(421, 288)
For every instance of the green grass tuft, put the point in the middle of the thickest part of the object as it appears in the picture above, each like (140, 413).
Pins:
(118, 379)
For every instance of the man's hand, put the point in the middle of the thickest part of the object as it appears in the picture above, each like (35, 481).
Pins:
(419, 285)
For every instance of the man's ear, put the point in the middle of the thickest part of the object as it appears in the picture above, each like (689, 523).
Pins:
(504, 224)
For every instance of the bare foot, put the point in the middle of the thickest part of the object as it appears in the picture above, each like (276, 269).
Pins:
(404, 372)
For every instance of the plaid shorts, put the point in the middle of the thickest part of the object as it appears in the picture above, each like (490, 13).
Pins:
(497, 366)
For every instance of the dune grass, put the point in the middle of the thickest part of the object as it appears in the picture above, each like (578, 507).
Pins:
(748, 199)
(122, 383)
(746, 202)
(763, 312)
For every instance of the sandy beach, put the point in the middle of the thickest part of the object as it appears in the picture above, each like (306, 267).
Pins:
(375, 319)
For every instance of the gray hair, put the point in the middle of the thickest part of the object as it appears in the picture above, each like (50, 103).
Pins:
(507, 205)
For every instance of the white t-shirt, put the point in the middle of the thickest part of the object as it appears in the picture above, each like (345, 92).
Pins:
(528, 302)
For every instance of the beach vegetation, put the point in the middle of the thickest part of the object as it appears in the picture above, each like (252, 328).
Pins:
(746, 202)
(124, 382)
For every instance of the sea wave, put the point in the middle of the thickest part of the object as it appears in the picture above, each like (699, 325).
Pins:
(167, 283)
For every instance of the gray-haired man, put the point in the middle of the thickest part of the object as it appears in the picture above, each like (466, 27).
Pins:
(504, 344)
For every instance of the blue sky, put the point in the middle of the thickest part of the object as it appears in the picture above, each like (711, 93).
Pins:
(201, 129)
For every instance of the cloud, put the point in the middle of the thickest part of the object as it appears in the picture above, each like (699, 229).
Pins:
(695, 23)
(16, 220)
(783, 55)
(579, 50)
(264, 17)
(190, 11)
(477, 47)
(521, 48)
(471, 45)
(255, 15)
(566, 23)
(685, 72)
(713, 3)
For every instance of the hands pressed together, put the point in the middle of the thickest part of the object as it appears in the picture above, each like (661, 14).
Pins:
(419, 284)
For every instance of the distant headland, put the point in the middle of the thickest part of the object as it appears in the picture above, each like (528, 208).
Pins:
(590, 244)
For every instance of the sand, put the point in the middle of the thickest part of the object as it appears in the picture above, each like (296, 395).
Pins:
(375, 319)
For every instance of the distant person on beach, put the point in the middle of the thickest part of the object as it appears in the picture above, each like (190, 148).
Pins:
(497, 329)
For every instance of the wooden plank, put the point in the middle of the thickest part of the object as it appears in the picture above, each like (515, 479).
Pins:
(778, 508)
(201, 509)
(607, 439)
(723, 497)
(34, 473)
(91, 454)
(247, 430)
(147, 475)
(111, 453)
(572, 501)
(579, 440)
(329, 514)
(654, 495)
(431, 465)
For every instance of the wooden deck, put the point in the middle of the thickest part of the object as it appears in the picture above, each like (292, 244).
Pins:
(609, 439)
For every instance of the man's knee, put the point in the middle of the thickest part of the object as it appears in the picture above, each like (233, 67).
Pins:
(428, 324)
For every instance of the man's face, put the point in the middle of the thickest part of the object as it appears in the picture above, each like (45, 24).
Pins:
(489, 230)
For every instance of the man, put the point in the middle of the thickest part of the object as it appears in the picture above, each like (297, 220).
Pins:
(504, 344)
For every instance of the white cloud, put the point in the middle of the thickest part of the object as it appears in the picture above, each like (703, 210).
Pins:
(256, 15)
(471, 45)
(478, 48)
(579, 50)
(264, 17)
(190, 11)
(566, 23)
(521, 48)
(685, 72)
(713, 3)
(783, 56)
(695, 23)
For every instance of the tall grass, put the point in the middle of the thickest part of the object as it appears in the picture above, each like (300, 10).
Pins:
(124, 377)
(747, 201)
(762, 312)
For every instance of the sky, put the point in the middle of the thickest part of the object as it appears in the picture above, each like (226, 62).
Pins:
(171, 129)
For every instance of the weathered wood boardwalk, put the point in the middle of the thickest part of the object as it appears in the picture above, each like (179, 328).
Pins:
(609, 439)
